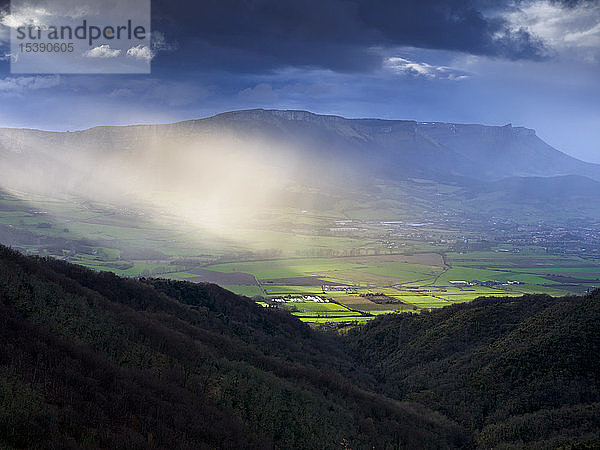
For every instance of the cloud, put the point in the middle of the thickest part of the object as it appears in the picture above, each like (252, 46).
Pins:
(103, 51)
(152, 91)
(4, 29)
(141, 52)
(584, 38)
(122, 93)
(31, 13)
(8, 56)
(404, 66)
(4, 36)
(35, 13)
(25, 16)
(21, 84)
(173, 94)
(311, 90)
(262, 92)
(338, 35)
(160, 43)
(570, 28)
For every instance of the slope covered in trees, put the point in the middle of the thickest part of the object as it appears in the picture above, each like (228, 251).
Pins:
(93, 360)
(90, 359)
(515, 371)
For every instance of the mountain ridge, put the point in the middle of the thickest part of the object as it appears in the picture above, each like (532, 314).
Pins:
(324, 152)
(398, 137)
(288, 114)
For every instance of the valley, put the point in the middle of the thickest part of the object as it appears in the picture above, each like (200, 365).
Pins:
(365, 216)
(355, 269)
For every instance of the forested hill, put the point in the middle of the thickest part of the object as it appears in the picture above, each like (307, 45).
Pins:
(518, 372)
(89, 359)
(93, 360)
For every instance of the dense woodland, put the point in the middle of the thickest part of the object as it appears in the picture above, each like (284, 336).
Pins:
(89, 359)
(513, 371)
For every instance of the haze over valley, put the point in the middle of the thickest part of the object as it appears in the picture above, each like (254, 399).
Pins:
(191, 200)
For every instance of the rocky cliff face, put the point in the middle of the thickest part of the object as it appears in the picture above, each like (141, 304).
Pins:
(384, 147)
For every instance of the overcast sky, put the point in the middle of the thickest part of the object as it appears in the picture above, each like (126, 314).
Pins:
(531, 63)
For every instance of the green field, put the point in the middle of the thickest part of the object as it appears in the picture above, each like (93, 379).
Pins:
(336, 320)
(284, 251)
(409, 286)
(424, 301)
(273, 290)
(248, 291)
(320, 308)
(325, 312)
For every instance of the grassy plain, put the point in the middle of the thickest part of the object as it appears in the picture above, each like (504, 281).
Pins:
(285, 252)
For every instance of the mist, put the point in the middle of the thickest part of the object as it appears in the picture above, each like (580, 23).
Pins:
(214, 183)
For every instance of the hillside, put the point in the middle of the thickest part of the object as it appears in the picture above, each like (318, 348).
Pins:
(90, 359)
(518, 372)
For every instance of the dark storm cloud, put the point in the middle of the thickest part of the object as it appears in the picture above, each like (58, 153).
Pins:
(452, 25)
(574, 3)
(342, 35)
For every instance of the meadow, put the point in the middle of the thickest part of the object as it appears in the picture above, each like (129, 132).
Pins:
(269, 258)
(406, 286)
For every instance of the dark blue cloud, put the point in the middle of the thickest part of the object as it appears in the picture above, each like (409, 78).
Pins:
(341, 35)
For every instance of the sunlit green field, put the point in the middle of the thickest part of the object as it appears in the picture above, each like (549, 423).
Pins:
(409, 286)
(418, 276)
